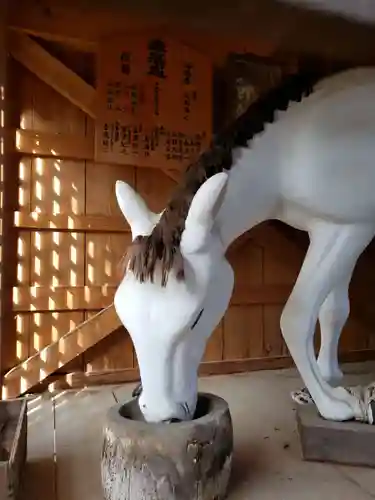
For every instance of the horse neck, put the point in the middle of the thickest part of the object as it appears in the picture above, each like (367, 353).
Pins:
(252, 194)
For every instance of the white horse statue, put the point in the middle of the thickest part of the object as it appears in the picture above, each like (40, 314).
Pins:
(313, 168)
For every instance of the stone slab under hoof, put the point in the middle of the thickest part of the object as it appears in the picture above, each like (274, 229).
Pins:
(178, 461)
(346, 443)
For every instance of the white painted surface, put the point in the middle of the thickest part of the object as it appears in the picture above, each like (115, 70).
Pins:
(314, 169)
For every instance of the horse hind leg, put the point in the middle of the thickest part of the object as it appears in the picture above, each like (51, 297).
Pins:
(331, 257)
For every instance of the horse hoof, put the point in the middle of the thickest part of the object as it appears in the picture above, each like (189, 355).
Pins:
(302, 397)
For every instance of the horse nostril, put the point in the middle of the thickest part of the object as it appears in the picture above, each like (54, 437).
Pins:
(171, 420)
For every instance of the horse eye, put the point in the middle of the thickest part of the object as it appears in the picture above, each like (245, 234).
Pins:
(197, 319)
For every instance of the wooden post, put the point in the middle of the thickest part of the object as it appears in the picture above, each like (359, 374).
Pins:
(8, 203)
(3, 66)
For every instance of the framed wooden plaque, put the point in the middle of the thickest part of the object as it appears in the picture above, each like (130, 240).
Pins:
(154, 102)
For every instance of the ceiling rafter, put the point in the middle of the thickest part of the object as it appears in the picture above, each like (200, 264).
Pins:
(262, 28)
(53, 72)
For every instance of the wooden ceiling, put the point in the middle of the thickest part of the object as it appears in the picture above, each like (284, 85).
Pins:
(263, 27)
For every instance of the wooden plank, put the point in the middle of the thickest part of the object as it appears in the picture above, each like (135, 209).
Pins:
(172, 123)
(113, 353)
(104, 258)
(40, 473)
(154, 188)
(260, 294)
(100, 199)
(273, 342)
(95, 296)
(243, 332)
(47, 327)
(267, 235)
(51, 145)
(278, 271)
(53, 72)
(51, 111)
(247, 263)
(57, 187)
(57, 258)
(35, 221)
(77, 380)
(345, 443)
(60, 298)
(39, 366)
(215, 345)
(79, 442)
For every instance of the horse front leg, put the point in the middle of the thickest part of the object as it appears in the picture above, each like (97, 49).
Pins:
(331, 257)
(332, 317)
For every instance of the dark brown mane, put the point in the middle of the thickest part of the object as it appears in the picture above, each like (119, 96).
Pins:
(162, 246)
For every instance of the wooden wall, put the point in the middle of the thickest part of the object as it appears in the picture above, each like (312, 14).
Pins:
(3, 81)
(80, 262)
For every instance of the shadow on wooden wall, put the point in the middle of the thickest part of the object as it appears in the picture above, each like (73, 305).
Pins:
(70, 236)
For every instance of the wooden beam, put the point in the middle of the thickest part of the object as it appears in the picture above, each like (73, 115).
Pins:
(173, 174)
(79, 380)
(51, 71)
(62, 298)
(37, 368)
(4, 170)
(82, 26)
(35, 221)
(94, 297)
(262, 28)
(75, 24)
(64, 146)
(45, 145)
(9, 196)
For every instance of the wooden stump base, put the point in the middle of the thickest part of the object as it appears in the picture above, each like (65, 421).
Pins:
(346, 443)
(178, 461)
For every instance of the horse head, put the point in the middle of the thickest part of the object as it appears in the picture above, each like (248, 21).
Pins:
(175, 290)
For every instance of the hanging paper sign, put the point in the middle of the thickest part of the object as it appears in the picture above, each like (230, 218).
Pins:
(154, 104)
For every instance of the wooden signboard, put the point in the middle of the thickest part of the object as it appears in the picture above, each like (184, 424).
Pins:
(154, 104)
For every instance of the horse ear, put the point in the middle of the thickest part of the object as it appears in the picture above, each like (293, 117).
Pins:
(203, 210)
(134, 209)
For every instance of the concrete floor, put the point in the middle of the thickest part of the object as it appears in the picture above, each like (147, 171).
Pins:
(65, 442)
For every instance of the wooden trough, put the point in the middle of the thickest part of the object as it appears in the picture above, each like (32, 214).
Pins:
(178, 461)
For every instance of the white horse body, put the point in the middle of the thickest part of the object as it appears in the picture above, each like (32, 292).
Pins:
(314, 169)
(314, 162)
